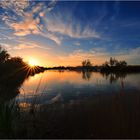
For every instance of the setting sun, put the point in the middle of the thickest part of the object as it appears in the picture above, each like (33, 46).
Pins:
(33, 62)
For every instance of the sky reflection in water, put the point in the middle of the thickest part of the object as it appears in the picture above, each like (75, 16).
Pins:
(55, 86)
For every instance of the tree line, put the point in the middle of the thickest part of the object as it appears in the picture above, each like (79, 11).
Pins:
(111, 63)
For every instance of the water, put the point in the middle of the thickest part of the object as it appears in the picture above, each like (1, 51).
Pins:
(69, 86)
(74, 104)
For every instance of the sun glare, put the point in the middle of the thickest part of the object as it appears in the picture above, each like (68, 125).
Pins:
(33, 62)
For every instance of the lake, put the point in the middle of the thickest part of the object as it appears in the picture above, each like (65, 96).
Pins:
(68, 86)
(84, 104)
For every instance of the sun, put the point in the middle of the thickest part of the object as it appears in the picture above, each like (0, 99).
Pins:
(33, 62)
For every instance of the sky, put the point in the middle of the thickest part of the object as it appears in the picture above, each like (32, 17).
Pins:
(57, 33)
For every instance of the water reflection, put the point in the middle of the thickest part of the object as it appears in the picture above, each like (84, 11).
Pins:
(111, 77)
(67, 86)
(72, 104)
(52, 86)
(9, 87)
(10, 83)
(86, 75)
(114, 77)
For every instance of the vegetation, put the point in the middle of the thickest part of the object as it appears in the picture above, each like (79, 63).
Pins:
(13, 72)
(4, 56)
(13, 65)
(86, 63)
(115, 63)
(8, 63)
(9, 115)
(114, 66)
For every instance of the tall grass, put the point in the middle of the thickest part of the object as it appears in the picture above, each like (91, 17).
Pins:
(31, 123)
(9, 115)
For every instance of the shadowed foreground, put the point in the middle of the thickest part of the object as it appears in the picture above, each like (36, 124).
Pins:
(102, 116)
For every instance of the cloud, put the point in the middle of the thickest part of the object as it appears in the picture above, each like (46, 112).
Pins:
(17, 6)
(20, 46)
(53, 37)
(82, 54)
(132, 55)
(5, 46)
(37, 8)
(77, 44)
(55, 24)
(25, 46)
(95, 55)
(29, 24)
(57, 29)
(4, 36)
(31, 15)
(51, 5)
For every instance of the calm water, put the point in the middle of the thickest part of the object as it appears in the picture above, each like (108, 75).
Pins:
(84, 104)
(66, 86)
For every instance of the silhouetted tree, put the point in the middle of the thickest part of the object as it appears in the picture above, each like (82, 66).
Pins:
(17, 60)
(114, 62)
(106, 64)
(4, 56)
(121, 64)
(86, 63)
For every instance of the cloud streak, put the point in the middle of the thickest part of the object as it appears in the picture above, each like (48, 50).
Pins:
(53, 28)
(55, 24)
(29, 24)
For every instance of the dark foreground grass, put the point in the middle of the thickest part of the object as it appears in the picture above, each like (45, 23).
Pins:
(9, 116)
(102, 116)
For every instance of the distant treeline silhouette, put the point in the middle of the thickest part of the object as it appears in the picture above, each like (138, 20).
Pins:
(113, 65)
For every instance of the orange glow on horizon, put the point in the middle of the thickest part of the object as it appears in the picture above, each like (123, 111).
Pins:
(33, 62)
(46, 59)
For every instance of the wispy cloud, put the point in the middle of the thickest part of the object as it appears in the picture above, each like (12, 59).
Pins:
(52, 36)
(56, 24)
(77, 43)
(28, 16)
(29, 45)
(29, 24)
(25, 46)
(17, 6)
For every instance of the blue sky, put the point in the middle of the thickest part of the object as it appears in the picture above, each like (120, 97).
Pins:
(67, 32)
